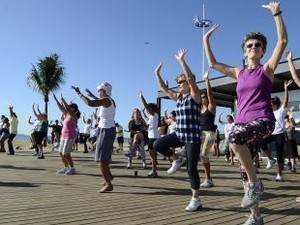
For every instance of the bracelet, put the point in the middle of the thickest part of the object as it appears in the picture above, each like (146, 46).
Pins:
(277, 13)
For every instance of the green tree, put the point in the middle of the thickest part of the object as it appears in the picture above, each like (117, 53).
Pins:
(47, 76)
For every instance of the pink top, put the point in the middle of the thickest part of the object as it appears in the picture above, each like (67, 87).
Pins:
(254, 90)
(69, 128)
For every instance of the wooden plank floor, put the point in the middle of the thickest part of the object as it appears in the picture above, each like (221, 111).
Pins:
(33, 193)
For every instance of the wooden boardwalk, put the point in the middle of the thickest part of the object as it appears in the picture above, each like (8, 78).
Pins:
(33, 193)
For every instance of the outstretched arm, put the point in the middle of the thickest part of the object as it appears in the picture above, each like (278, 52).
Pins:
(170, 93)
(282, 38)
(90, 94)
(295, 77)
(220, 120)
(286, 93)
(212, 103)
(195, 92)
(60, 106)
(145, 103)
(29, 120)
(93, 103)
(212, 62)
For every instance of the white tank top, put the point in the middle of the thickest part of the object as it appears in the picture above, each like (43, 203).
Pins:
(107, 115)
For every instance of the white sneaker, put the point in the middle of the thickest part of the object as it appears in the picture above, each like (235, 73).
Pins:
(63, 170)
(176, 164)
(70, 171)
(279, 177)
(207, 183)
(270, 163)
(194, 205)
(144, 165)
(181, 152)
(129, 165)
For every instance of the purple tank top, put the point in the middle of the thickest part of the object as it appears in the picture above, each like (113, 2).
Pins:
(254, 90)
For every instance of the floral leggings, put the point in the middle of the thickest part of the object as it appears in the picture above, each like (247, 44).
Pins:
(249, 133)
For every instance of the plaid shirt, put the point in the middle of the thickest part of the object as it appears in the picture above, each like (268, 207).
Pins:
(188, 119)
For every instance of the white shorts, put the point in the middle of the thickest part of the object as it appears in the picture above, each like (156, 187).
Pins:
(65, 146)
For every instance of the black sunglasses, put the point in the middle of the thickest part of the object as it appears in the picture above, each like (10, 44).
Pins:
(181, 81)
(256, 45)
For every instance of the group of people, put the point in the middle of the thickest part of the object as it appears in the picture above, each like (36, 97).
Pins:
(256, 119)
(8, 131)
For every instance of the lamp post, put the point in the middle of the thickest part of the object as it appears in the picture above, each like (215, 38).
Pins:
(202, 23)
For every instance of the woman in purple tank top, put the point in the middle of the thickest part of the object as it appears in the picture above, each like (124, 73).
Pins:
(254, 118)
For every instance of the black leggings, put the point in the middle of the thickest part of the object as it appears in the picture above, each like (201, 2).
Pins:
(279, 140)
(164, 144)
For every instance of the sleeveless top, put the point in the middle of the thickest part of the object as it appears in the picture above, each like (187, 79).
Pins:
(107, 115)
(207, 121)
(137, 126)
(187, 119)
(254, 90)
(69, 128)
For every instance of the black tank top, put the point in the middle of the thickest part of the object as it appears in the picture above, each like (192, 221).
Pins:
(207, 121)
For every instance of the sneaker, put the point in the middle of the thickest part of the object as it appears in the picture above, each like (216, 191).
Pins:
(144, 165)
(70, 171)
(63, 170)
(129, 165)
(207, 183)
(270, 163)
(253, 193)
(181, 152)
(194, 205)
(176, 164)
(279, 177)
(254, 221)
(41, 157)
(152, 174)
(293, 170)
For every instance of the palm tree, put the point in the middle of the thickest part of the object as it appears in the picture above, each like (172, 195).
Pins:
(47, 76)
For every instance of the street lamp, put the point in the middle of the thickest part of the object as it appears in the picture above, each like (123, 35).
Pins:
(202, 23)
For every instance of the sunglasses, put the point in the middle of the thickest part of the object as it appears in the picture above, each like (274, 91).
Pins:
(256, 45)
(181, 81)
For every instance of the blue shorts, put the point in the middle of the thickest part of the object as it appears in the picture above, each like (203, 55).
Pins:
(104, 145)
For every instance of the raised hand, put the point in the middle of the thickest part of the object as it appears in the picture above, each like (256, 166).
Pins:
(289, 55)
(157, 70)
(77, 90)
(140, 94)
(206, 75)
(287, 83)
(180, 54)
(214, 27)
(274, 7)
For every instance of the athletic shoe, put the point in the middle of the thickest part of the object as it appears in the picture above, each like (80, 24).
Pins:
(181, 152)
(270, 163)
(63, 170)
(70, 171)
(176, 164)
(253, 193)
(152, 174)
(194, 205)
(144, 165)
(279, 177)
(207, 183)
(129, 165)
(254, 221)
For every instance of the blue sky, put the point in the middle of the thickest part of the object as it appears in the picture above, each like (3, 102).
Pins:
(104, 40)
